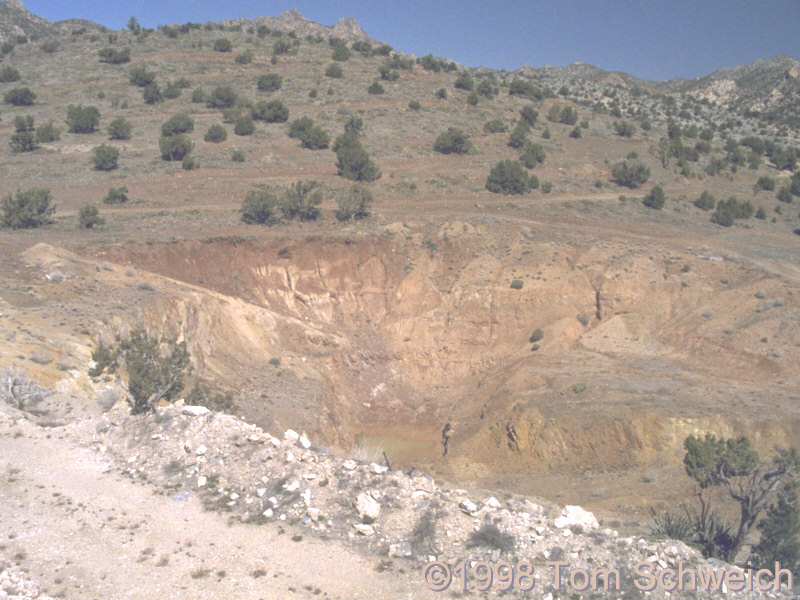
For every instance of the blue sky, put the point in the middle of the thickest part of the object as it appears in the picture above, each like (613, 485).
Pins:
(653, 39)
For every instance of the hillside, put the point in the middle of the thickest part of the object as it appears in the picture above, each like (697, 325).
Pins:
(531, 285)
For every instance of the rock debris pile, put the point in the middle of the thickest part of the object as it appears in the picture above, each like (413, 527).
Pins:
(237, 468)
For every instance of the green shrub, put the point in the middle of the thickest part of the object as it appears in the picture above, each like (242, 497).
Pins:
(23, 141)
(189, 163)
(486, 88)
(271, 82)
(300, 127)
(315, 138)
(245, 58)
(261, 207)
(655, 199)
(105, 158)
(216, 133)
(20, 97)
(785, 194)
(301, 201)
(624, 128)
(508, 177)
(82, 119)
(729, 210)
(532, 155)
(172, 91)
(280, 47)
(472, 99)
(354, 124)
(113, 56)
(375, 88)
(464, 81)
(50, 46)
(9, 74)
(47, 133)
(705, 202)
(174, 147)
(547, 187)
(780, 533)
(352, 160)
(28, 209)
(388, 74)
(354, 203)
(244, 125)
(495, 126)
(335, 71)
(441, 94)
(222, 45)
(452, 141)
(89, 216)
(517, 284)
(414, 105)
(525, 89)
(119, 129)
(631, 175)
(766, 183)
(198, 95)
(519, 137)
(141, 77)
(223, 96)
(341, 53)
(576, 133)
(151, 94)
(273, 111)
(238, 156)
(537, 335)
(180, 123)
(152, 375)
(23, 123)
(529, 115)
(760, 213)
(116, 195)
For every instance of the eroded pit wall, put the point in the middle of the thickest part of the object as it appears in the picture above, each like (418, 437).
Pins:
(400, 334)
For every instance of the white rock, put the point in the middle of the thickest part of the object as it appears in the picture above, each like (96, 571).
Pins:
(201, 450)
(304, 441)
(289, 457)
(306, 496)
(234, 496)
(368, 508)
(468, 506)
(201, 481)
(195, 411)
(273, 500)
(493, 502)
(349, 464)
(364, 529)
(260, 492)
(273, 440)
(309, 476)
(575, 515)
(566, 532)
(376, 468)
(268, 513)
(416, 495)
(313, 514)
(291, 435)
(292, 486)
